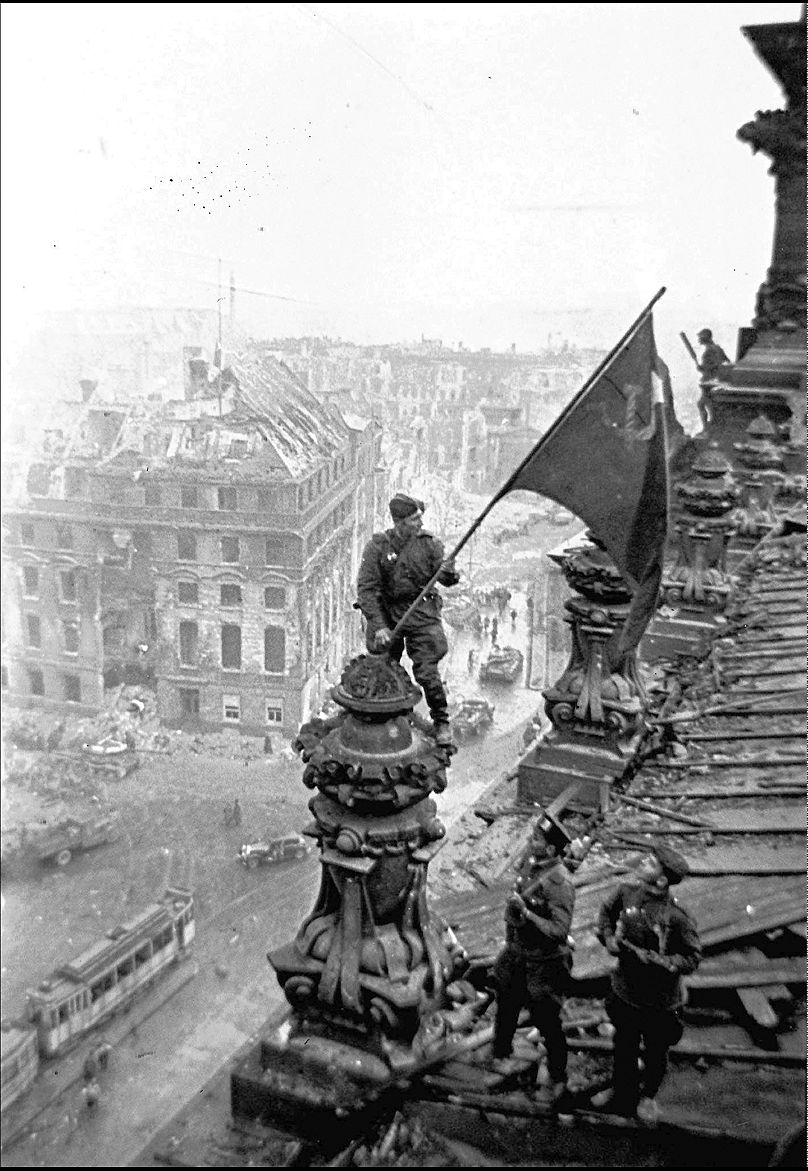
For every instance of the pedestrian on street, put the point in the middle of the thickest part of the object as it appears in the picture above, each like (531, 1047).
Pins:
(471, 660)
(513, 618)
(486, 622)
(494, 629)
(656, 943)
(395, 567)
(534, 968)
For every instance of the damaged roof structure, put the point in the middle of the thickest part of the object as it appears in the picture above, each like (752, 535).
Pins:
(219, 529)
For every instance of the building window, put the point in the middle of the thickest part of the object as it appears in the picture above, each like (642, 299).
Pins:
(64, 537)
(274, 711)
(230, 554)
(231, 647)
(189, 701)
(227, 499)
(189, 497)
(274, 551)
(30, 581)
(113, 640)
(274, 649)
(186, 545)
(188, 593)
(67, 585)
(230, 595)
(26, 534)
(34, 630)
(70, 632)
(274, 598)
(189, 644)
(266, 499)
(71, 688)
(231, 708)
(152, 496)
(36, 681)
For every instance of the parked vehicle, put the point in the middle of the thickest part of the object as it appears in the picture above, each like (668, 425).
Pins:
(110, 757)
(60, 841)
(470, 717)
(254, 854)
(107, 976)
(503, 665)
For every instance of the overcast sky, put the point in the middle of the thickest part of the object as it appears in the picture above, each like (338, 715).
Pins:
(476, 172)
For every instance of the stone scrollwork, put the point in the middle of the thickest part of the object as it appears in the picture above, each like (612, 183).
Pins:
(370, 957)
(599, 693)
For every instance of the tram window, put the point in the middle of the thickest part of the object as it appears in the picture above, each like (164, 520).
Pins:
(64, 1013)
(126, 968)
(143, 955)
(163, 939)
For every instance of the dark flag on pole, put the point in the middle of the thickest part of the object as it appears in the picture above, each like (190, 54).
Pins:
(605, 459)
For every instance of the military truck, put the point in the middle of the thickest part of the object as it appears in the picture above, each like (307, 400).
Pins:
(58, 842)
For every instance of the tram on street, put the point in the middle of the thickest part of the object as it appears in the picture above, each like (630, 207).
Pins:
(19, 1062)
(107, 976)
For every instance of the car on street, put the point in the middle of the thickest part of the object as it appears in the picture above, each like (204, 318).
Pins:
(258, 853)
(502, 665)
(471, 717)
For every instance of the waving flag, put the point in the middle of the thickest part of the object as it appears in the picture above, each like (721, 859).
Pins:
(605, 459)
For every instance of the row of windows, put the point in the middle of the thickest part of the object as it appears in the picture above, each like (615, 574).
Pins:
(230, 595)
(66, 579)
(64, 536)
(231, 707)
(70, 685)
(230, 646)
(277, 550)
(70, 634)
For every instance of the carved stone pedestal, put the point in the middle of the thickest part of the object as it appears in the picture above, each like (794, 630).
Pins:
(762, 478)
(366, 975)
(697, 586)
(596, 706)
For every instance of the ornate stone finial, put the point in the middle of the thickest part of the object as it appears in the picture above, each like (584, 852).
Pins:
(369, 964)
(762, 479)
(599, 693)
(698, 579)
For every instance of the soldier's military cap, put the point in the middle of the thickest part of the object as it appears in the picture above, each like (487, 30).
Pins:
(554, 832)
(674, 866)
(402, 506)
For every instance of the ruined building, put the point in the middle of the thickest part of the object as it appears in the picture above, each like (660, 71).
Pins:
(206, 545)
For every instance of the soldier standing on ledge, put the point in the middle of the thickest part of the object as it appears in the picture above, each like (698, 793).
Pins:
(656, 943)
(395, 567)
(534, 967)
(713, 359)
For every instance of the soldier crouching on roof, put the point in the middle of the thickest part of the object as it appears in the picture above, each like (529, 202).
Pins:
(396, 565)
(656, 943)
(534, 967)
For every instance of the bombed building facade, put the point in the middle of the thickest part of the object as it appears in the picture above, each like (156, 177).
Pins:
(206, 544)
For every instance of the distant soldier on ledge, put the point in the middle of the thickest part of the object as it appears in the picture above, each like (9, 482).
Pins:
(395, 567)
(712, 356)
(713, 359)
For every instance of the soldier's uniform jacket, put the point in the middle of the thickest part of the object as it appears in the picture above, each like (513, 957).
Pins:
(393, 572)
(712, 359)
(652, 924)
(548, 893)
